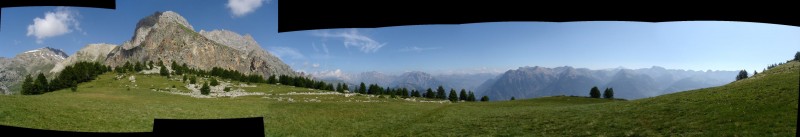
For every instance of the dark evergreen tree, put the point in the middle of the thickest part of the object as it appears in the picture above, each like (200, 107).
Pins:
(512, 98)
(27, 86)
(471, 97)
(453, 95)
(127, 67)
(463, 95)
(345, 88)
(440, 93)
(184, 78)
(164, 71)
(755, 72)
(797, 56)
(271, 80)
(193, 80)
(138, 67)
(609, 93)
(41, 84)
(595, 92)
(362, 88)
(429, 93)
(405, 93)
(742, 75)
(214, 82)
(484, 98)
(205, 89)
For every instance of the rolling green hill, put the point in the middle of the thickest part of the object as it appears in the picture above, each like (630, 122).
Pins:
(765, 104)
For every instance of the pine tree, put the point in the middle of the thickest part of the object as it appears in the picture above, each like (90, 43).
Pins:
(608, 93)
(164, 71)
(797, 56)
(405, 93)
(484, 98)
(755, 72)
(138, 67)
(184, 78)
(193, 80)
(742, 75)
(345, 88)
(440, 93)
(271, 80)
(594, 93)
(205, 89)
(27, 86)
(453, 95)
(471, 97)
(512, 98)
(214, 82)
(362, 88)
(41, 84)
(430, 94)
(463, 95)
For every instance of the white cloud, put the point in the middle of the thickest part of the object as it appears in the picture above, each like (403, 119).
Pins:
(243, 7)
(315, 65)
(60, 22)
(286, 52)
(352, 38)
(332, 74)
(418, 49)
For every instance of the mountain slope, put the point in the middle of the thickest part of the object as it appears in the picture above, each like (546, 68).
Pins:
(89, 53)
(13, 70)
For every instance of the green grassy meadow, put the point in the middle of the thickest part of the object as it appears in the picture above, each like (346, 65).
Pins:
(764, 105)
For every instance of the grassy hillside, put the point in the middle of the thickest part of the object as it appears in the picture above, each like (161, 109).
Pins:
(763, 105)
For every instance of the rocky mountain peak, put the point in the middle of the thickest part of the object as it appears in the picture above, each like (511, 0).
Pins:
(232, 39)
(47, 53)
(154, 21)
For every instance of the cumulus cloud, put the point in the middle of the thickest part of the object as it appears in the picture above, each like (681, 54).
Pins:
(243, 7)
(57, 23)
(417, 49)
(331, 74)
(286, 53)
(352, 38)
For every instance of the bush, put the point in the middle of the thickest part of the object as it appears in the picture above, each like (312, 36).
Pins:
(227, 89)
(205, 89)
(214, 82)
(193, 80)
(74, 88)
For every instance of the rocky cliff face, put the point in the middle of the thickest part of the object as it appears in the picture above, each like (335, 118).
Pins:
(168, 37)
(13, 70)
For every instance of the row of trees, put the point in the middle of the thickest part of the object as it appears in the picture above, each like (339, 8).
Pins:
(375, 89)
(68, 78)
(595, 93)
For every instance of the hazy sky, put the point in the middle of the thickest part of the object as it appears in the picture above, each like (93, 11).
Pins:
(481, 47)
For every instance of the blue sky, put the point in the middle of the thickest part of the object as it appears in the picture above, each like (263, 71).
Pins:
(480, 47)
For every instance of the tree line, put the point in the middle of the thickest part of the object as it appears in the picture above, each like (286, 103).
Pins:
(87, 71)
(68, 78)
(743, 74)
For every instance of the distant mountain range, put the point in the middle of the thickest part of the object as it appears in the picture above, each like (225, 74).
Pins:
(531, 82)
(162, 36)
(414, 80)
